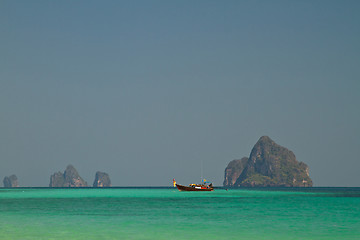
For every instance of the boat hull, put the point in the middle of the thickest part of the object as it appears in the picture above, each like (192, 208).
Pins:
(193, 189)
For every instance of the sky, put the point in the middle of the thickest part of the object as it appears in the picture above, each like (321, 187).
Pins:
(148, 91)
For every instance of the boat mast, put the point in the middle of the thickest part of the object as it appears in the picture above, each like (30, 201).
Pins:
(201, 180)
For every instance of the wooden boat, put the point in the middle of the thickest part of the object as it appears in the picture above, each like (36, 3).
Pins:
(195, 187)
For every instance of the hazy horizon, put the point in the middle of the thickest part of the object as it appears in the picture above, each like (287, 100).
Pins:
(147, 90)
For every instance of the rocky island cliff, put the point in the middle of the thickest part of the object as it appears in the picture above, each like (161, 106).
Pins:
(269, 165)
(11, 182)
(233, 171)
(70, 178)
(102, 180)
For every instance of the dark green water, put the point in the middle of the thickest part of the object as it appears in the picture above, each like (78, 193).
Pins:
(125, 213)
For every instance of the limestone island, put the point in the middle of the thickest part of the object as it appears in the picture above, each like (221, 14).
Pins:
(269, 165)
(102, 180)
(11, 182)
(70, 178)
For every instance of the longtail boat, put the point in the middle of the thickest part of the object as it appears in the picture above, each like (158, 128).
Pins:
(194, 187)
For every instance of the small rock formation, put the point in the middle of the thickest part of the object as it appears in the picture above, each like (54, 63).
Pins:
(269, 165)
(70, 178)
(11, 182)
(57, 180)
(102, 180)
(233, 171)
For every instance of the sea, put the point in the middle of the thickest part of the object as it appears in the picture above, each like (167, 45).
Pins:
(166, 213)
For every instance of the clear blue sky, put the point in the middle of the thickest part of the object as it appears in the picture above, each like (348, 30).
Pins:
(147, 90)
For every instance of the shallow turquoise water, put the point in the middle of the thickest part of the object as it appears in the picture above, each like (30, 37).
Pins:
(125, 213)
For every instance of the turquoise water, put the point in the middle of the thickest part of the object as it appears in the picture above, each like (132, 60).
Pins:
(125, 213)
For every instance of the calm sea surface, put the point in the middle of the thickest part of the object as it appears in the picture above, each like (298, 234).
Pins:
(150, 213)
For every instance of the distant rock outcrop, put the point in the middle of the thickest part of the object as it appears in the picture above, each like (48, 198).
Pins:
(269, 165)
(102, 180)
(70, 178)
(11, 182)
(233, 171)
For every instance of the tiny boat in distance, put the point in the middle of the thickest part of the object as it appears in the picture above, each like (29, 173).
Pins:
(195, 187)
